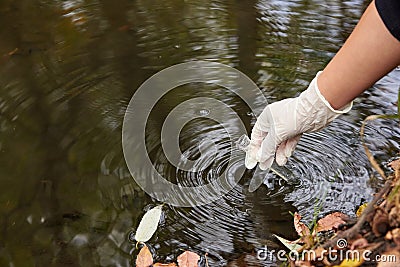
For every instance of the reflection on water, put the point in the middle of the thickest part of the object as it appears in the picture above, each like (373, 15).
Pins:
(68, 70)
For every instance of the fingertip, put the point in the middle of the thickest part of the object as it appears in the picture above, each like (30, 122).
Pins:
(281, 159)
(264, 154)
(265, 165)
(288, 151)
(250, 162)
(281, 156)
(291, 145)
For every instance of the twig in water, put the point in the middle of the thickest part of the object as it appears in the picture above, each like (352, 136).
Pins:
(205, 256)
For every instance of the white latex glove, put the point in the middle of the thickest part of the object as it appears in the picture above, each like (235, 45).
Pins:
(279, 127)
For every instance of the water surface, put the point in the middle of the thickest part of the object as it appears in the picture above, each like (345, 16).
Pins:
(68, 70)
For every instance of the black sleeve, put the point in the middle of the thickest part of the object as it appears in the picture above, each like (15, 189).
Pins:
(389, 10)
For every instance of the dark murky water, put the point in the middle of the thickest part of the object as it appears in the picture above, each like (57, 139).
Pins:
(68, 70)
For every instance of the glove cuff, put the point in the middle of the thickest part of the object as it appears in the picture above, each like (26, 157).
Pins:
(343, 110)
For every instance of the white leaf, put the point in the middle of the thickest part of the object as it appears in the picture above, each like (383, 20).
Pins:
(148, 224)
(289, 244)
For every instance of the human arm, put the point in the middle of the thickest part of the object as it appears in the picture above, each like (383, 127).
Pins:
(369, 53)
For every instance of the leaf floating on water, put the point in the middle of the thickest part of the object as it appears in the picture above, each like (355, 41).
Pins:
(144, 258)
(300, 227)
(188, 259)
(148, 225)
(124, 28)
(289, 244)
(11, 53)
(158, 264)
(331, 221)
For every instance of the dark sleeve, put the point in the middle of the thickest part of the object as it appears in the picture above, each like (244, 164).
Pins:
(389, 10)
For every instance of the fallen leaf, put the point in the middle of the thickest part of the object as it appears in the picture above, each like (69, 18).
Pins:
(289, 244)
(361, 209)
(350, 263)
(331, 221)
(144, 258)
(124, 28)
(359, 243)
(396, 236)
(394, 217)
(396, 167)
(308, 241)
(301, 228)
(158, 264)
(148, 224)
(395, 164)
(389, 235)
(188, 259)
(12, 52)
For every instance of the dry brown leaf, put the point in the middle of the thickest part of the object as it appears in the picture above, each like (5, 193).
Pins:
(144, 258)
(396, 167)
(308, 241)
(158, 264)
(359, 243)
(12, 52)
(188, 259)
(389, 235)
(301, 228)
(331, 221)
(394, 217)
(395, 164)
(396, 236)
(125, 28)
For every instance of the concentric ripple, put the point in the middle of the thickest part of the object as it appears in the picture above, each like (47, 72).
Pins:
(328, 168)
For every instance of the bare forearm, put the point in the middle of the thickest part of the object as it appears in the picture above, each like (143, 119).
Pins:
(369, 53)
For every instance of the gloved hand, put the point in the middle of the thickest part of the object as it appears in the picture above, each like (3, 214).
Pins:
(279, 127)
